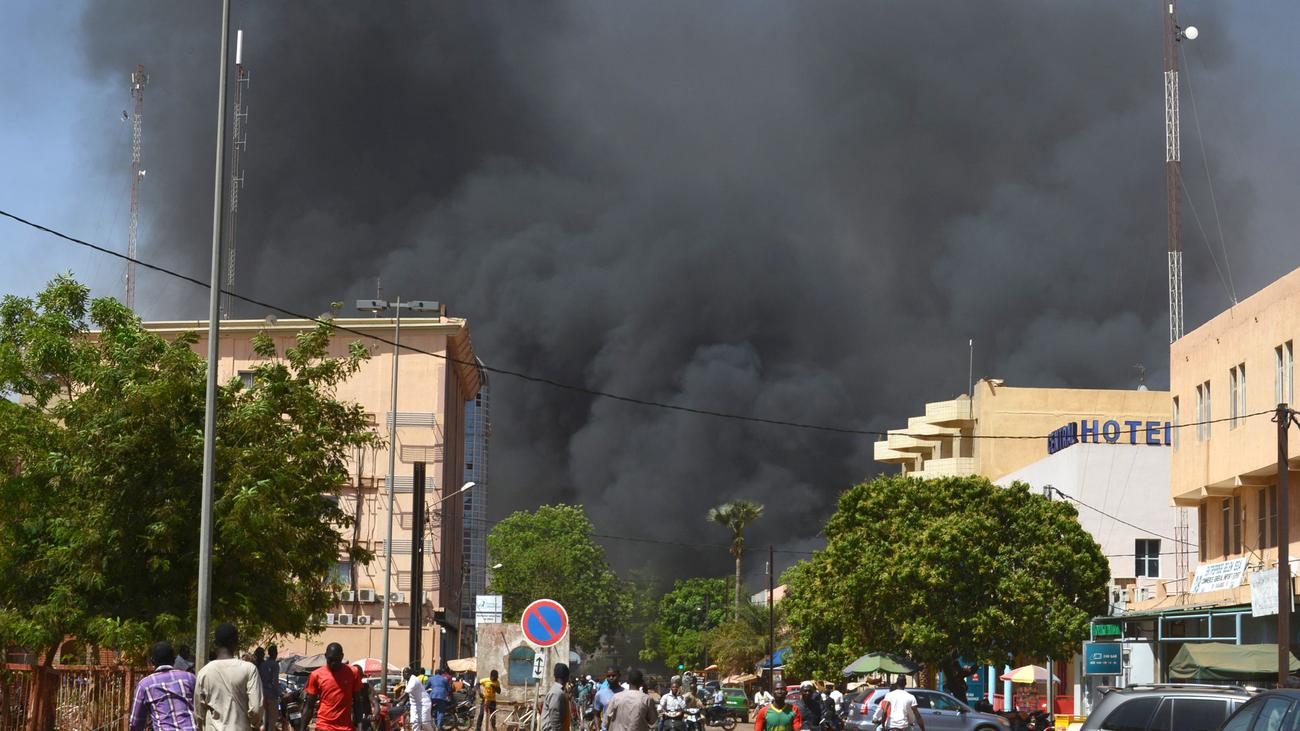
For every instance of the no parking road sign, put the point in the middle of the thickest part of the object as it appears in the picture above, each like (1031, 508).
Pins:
(544, 623)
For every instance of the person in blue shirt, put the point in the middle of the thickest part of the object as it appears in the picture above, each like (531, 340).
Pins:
(605, 694)
(439, 687)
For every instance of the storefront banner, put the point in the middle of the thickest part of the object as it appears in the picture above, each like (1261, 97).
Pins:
(1218, 576)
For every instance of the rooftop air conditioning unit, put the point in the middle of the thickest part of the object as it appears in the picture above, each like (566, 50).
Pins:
(343, 619)
(363, 619)
(346, 596)
(366, 595)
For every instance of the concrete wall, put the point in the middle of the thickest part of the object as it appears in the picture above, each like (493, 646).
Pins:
(493, 651)
(1119, 479)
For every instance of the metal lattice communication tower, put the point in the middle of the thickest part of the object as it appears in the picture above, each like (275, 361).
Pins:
(1173, 170)
(239, 143)
(138, 81)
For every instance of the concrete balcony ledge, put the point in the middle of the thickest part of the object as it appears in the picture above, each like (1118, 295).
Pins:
(954, 412)
(905, 443)
(884, 454)
(949, 467)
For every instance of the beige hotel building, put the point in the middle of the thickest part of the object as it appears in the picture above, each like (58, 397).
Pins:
(431, 400)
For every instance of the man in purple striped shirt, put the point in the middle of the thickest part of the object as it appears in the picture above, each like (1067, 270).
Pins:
(165, 696)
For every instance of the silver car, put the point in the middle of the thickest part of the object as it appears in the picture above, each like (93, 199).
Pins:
(940, 711)
(1165, 707)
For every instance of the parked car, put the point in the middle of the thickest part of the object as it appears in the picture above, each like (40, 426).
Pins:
(1165, 707)
(1271, 710)
(940, 711)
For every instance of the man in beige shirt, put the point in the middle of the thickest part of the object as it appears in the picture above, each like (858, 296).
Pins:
(228, 691)
(631, 710)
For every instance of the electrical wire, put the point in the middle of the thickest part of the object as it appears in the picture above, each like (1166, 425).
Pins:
(1073, 499)
(1205, 161)
(585, 390)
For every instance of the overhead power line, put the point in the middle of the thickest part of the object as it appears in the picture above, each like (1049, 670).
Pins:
(1099, 511)
(585, 390)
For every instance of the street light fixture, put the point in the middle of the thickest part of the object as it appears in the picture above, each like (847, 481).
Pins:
(396, 306)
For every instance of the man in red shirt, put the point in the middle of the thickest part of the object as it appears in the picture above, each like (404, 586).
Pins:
(336, 688)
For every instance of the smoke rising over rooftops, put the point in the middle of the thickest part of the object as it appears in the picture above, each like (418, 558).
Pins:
(795, 210)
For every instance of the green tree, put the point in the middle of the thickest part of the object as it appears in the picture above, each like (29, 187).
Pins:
(99, 496)
(550, 554)
(734, 516)
(683, 620)
(943, 568)
(739, 644)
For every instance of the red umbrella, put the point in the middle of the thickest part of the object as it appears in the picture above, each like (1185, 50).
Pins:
(371, 666)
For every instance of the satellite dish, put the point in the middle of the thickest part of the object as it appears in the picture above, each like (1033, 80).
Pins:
(1190, 32)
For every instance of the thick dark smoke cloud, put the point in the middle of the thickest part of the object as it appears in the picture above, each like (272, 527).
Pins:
(795, 210)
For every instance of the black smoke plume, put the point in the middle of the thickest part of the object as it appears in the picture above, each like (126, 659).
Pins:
(793, 210)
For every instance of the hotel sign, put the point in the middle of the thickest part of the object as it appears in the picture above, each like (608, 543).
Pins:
(1111, 431)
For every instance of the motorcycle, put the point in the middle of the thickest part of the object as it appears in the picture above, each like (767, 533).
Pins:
(693, 721)
(461, 716)
(673, 721)
(716, 715)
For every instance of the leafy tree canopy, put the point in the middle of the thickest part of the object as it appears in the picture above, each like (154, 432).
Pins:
(739, 644)
(684, 619)
(550, 554)
(940, 568)
(100, 490)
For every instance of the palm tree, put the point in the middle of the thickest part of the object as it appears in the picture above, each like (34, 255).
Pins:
(735, 515)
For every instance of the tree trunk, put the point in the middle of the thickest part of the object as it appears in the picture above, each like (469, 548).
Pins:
(954, 678)
(737, 613)
(41, 693)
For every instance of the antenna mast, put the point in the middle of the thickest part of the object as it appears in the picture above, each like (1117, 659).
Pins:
(239, 142)
(138, 81)
(1173, 170)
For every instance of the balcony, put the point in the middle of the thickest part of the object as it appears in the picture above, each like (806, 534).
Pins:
(952, 413)
(902, 442)
(949, 467)
(892, 456)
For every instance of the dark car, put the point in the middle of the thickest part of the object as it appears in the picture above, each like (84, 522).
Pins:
(1165, 707)
(1271, 710)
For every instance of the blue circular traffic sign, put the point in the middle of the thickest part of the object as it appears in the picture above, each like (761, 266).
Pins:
(545, 623)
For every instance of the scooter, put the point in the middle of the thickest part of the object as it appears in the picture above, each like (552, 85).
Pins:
(693, 720)
(673, 721)
(716, 715)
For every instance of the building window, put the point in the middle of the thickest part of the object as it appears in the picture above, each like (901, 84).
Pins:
(1203, 524)
(1284, 374)
(1147, 553)
(1175, 423)
(248, 378)
(1225, 511)
(1267, 520)
(1203, 411)
(1238, 521)
(1236, 394)
(343, 573)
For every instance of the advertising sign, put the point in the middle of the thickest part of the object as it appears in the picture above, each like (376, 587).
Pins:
(1103, 658)
(487, 609)
(1263, 593)
(1219, 575)
(1107, 630)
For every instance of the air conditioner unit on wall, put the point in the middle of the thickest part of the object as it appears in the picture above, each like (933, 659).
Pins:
(363, 619)
(346, 596)
(397, 597)
(366, 595)
(329, 618)
(343, 619)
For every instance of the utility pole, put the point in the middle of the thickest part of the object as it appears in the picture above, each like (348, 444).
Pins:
(417, 562)
(771, 616)
(214, 329)
(138, 81)
(1285, 592)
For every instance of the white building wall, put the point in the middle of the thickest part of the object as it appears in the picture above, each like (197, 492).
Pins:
(1125, 481)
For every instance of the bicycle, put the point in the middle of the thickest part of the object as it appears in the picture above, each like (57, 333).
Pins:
(518, 718)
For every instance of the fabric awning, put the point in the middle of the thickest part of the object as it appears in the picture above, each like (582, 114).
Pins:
(780, 656)
(880, 662)
(462, 665)
(1223, 661)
